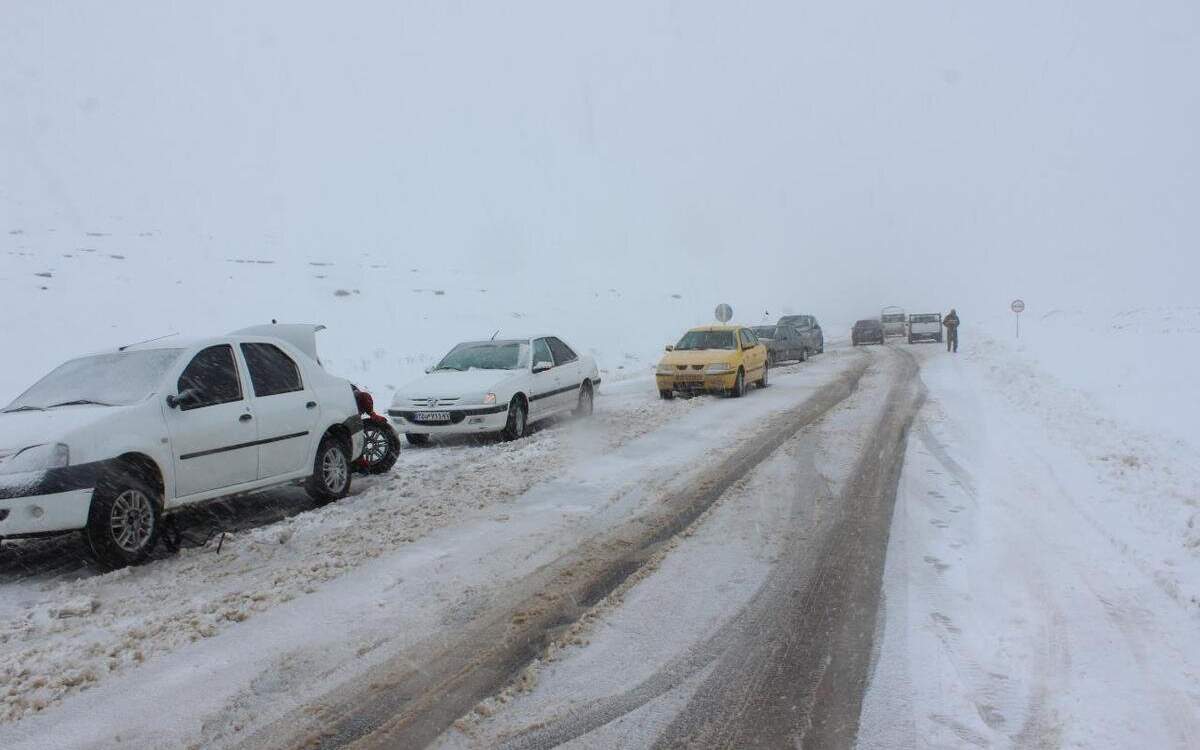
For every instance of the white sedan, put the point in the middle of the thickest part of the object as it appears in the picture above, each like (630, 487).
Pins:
(496, 386)
(109, 442)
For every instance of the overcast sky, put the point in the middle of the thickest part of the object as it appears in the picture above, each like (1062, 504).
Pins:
(847, 154)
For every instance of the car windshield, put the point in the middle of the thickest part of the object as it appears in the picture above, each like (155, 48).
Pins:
(487, 355)
(792, 320)
(764, 332)
(698, 340)
(893, 318)
(924, 318)
(112, 379)
(867, 324)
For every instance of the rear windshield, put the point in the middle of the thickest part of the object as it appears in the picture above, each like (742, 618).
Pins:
(697, 340)
(764, 332)
(893, 318)
(926, 318)
(867, 324)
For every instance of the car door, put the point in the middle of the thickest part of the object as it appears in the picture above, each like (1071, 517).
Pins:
(806, 333)
(213, 434)
(544, 382)
(753, 354)
(570, 376)
(284, 406)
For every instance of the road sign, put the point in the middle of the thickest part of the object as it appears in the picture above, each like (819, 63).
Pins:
(724, 313)
(1018, 306)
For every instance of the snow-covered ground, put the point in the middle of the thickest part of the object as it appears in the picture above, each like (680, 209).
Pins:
(1042, 586)
(237, 636)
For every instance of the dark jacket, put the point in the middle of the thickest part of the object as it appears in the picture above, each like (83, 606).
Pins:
(951, 320)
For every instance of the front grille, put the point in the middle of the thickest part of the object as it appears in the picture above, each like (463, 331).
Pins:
(424, 403)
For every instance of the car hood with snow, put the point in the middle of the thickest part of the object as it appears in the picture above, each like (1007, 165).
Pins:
(469, 386)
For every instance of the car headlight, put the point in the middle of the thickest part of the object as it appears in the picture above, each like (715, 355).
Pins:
(37, 458)
(489, 398)
(718, 368)
(665, 369)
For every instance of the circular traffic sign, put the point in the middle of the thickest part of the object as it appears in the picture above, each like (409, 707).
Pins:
(724, 313)
(1018, 306)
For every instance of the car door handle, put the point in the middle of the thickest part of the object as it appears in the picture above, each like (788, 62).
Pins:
(311, 405)
(245, 417)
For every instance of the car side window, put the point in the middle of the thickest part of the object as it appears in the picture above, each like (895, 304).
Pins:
(562, 353)
(212, 378)
(541, 352)
(748, 339)
(272, 371)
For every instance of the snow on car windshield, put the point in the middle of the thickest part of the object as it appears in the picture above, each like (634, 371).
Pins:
(696, 340)
(487, 355)
(111, 379)
(764, 332)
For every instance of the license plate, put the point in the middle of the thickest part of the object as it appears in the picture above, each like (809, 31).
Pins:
(432, 416)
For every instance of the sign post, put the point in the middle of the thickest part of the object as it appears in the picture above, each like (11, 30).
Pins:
(1018, 307)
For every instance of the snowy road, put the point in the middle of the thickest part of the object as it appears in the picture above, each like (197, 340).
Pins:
(294, 620)
(705, 572)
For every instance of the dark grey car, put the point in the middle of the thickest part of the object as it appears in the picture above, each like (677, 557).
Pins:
(783, 343)
(809, 329)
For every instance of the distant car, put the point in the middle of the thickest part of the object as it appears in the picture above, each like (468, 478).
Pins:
(925, 327)
(496, 387)
(894, 321)
(809, 328)
(109, 442)
(784, 343)
(714, 359)
(867, 332)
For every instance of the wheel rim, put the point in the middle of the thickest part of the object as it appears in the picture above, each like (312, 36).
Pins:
(131, 521)
(766, 371)
(333, 469)
(585, 401)
(519, 421)
(740, 387)
(376, 445)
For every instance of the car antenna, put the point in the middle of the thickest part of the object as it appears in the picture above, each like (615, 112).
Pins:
(493, 338)
(147, 341)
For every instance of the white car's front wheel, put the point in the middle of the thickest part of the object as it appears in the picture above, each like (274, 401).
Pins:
(518, 418)
(125, 520)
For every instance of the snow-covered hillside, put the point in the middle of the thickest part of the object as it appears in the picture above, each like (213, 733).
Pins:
(389, 315)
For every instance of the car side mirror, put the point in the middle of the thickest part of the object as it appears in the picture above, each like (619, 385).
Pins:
(542, 367)
(186, 397)
(428, 370)
(670, 348)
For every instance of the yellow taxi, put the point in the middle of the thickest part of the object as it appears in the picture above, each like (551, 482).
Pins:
(714, 359)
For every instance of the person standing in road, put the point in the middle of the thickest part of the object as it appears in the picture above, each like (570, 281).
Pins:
(951, 323)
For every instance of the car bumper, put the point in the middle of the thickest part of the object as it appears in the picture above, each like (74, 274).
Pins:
(39, 514)
(463, 421)
(696, 384)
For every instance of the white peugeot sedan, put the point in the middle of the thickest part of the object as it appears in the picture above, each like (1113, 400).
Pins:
(109, 442)
(496, 386)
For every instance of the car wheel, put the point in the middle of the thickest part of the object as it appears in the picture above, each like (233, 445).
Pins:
(330, 479)
(762, 382)
(381, 448)
(416, 438)
(739, 385)
(124, 521)
(517, 420)
(587, 401)
(666, 395)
